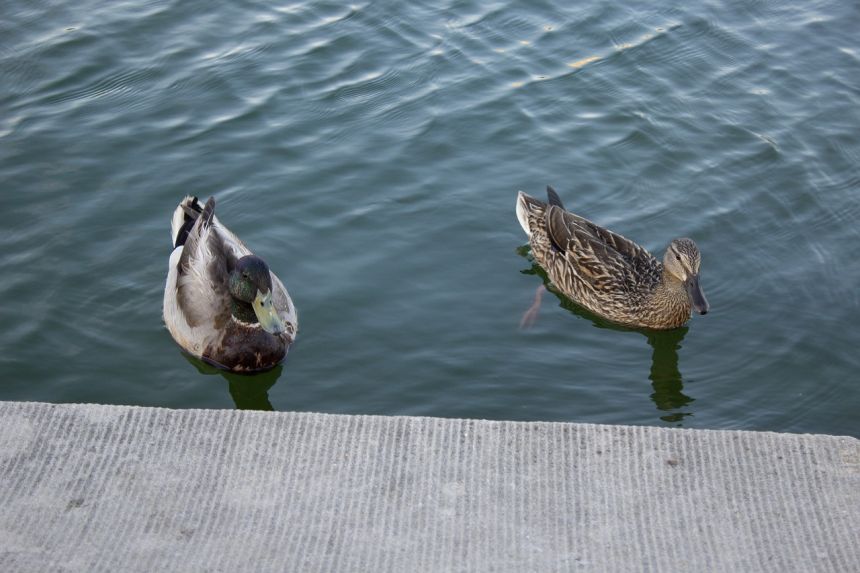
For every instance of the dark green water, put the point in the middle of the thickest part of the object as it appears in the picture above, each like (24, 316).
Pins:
(372, 154)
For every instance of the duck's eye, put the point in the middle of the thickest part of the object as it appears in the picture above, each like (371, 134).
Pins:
(678, 258)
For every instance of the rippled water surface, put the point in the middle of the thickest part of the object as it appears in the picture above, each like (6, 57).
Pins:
(372, 152)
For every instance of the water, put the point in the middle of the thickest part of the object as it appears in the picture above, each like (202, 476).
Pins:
(372, 154)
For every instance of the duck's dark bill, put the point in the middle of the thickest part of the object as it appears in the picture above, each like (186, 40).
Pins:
(697, 297)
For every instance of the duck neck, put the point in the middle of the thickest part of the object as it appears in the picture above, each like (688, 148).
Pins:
(242, 311)
(670, 298)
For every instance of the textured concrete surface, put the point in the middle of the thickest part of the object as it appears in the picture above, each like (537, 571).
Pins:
(106, 488)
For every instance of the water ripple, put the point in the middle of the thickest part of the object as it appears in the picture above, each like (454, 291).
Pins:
(371, 152)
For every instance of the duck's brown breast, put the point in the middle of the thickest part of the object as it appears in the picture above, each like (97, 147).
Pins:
(247, 348)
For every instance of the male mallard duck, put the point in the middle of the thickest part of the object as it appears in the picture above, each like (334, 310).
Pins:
(609, 275)
(222, 304)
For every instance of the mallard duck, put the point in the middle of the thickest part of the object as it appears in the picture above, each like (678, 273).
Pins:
(609, 275)
(222, 304)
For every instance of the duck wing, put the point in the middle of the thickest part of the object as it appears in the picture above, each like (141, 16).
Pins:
(604, 259)
(203, 293)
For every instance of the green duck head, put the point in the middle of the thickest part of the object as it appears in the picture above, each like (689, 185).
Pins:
(251, 283)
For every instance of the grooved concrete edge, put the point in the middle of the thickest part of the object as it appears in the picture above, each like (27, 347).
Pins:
(98, 488)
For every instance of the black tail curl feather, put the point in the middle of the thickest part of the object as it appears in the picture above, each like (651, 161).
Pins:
(553, 197)
(192, 210)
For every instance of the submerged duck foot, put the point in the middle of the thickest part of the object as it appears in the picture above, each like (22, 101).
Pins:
(530, 316)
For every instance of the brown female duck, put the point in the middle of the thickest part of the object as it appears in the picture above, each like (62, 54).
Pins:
(609, 275)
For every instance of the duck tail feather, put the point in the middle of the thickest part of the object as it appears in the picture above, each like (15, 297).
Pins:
(524, 203)
(553, 197)
(184, 216)
(208, 212)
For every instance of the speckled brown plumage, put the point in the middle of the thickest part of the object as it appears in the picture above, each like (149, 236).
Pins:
(608, 274)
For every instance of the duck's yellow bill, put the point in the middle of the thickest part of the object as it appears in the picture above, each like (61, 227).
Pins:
(269, 318)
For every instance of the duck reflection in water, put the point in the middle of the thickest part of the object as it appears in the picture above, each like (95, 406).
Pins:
(249, 391)
(666, 380)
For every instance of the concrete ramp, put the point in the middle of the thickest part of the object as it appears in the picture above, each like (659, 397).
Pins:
(109, 488)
